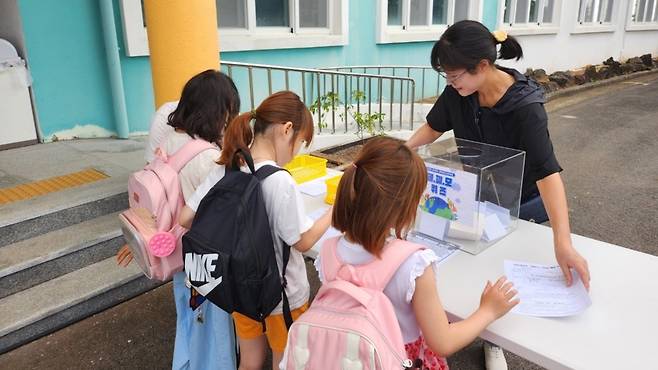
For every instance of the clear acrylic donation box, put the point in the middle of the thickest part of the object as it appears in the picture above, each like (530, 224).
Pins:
(473, 193)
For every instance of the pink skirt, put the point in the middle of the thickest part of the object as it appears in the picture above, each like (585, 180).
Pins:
(419, 350)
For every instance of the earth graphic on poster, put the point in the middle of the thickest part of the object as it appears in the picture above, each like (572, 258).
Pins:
(439, 207)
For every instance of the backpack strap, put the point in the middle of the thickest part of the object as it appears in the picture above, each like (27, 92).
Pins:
(375, 274)
(185, 154)
(267, 171)
(261, 174)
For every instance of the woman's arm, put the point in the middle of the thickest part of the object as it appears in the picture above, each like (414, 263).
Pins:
(424, 135)
(446, 338)
(312, 235)
(551, 189)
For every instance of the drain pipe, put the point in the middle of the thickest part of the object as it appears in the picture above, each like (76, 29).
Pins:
(114, 68)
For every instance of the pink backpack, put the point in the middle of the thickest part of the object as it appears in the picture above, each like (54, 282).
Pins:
(351, 324)
(150, 226)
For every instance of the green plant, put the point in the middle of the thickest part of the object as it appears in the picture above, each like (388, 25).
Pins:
(365, 122)
(323, 104)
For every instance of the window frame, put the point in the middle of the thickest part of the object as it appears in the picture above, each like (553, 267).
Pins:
(407, 33)
(535, 28)
(641, 26)
(597, 26)
(251, 37)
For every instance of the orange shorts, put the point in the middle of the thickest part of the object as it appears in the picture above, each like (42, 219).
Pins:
(275, 326)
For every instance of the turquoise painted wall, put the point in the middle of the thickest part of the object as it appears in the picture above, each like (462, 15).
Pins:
(490, 13)
(67, 60)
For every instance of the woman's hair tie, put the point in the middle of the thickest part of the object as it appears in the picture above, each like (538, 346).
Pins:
(500, 36)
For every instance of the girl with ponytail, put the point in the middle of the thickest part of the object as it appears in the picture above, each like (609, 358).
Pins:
(488, 103)
(378, 197)
(273, 134)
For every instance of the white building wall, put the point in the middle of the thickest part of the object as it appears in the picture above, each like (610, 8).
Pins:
(572, 45)
(640, 42)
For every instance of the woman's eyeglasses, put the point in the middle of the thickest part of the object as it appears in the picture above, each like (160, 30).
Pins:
(453, 78)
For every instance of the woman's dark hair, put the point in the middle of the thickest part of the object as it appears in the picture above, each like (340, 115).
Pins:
(466, 43)
(279, 108)
(208, 103)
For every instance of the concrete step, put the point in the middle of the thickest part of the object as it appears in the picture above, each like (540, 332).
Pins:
(32, 261)
(28, 218)
(56, 303)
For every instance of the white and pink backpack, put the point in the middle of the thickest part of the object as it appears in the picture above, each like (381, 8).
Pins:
(351, 324)
(150, 226)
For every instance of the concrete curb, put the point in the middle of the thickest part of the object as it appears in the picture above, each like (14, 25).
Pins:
(593, 85)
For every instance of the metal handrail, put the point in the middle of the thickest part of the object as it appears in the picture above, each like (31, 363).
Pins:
(392, 69)
(319, 87)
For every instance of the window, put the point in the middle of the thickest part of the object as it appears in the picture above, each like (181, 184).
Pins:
(595, 16)
(595, 11)
(257, 24)
(422, 20)
(644, 11)
(643, 15)
(524, 13)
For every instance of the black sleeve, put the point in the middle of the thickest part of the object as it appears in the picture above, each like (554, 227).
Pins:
(535, 140)
(438, 117)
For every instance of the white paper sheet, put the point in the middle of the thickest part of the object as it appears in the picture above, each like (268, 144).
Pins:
(442, 249)
(331, 232)
(493, 228)
(432, 225)
(543, 291)
(314, 188)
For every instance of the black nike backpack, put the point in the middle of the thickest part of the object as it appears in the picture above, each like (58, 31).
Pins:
(228, 252)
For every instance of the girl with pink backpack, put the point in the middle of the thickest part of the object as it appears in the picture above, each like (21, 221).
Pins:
(192, 128)
(378, 307)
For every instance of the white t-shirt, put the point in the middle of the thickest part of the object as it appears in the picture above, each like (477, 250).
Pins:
(288, 221)
(400, 289)
(197, 169)
(159, 129)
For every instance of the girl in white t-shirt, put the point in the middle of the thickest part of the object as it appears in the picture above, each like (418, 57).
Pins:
(208, 102)
(380, 193)
(281, 125)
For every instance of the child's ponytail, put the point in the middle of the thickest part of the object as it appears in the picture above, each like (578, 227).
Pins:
(238, 135)
(278, 108)
(379, 192)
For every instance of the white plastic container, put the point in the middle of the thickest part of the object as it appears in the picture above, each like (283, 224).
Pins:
(16, 119)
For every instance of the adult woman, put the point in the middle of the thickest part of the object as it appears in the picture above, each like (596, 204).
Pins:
(488, 103)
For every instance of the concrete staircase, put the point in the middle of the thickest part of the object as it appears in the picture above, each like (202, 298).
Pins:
(57, 259)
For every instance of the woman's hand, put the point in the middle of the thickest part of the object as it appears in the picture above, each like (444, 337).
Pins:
(496, 299)
(568, 258)
(124, 256)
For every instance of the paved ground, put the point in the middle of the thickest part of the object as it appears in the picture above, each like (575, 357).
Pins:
(604, 139)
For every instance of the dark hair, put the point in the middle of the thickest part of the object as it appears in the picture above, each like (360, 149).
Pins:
(278, 108)
(208, 102)
(466, 43)
(381, 191)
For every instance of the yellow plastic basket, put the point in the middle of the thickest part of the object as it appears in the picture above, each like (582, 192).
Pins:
(332, 188)
(306, 167)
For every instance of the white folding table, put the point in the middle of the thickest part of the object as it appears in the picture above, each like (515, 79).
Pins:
(619, 330)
